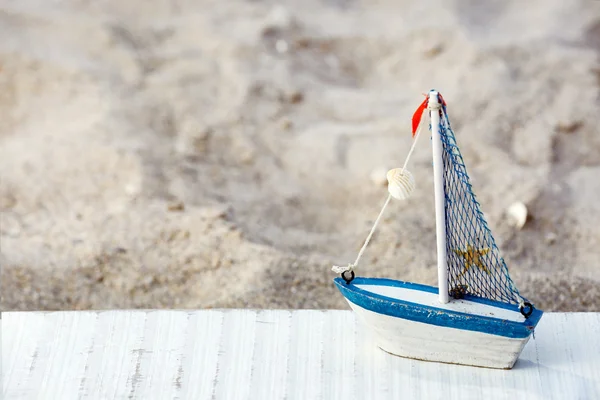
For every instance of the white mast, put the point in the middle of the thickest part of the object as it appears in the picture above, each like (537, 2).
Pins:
(438, 183)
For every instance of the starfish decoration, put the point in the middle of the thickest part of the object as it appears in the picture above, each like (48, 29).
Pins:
(473, 257)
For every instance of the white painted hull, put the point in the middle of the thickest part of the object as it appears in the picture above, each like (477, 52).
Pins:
(428, 342)
(408, 320)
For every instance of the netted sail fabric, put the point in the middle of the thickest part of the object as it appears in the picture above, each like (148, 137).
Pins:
(474, 263)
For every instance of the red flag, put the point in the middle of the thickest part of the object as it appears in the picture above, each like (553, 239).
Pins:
(416, 118)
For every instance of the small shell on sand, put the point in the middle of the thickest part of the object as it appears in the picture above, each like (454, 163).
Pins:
(517, 214)
(401, 183)
(550, 237)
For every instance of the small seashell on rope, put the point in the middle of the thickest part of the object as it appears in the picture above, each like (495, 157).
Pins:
(401, 183)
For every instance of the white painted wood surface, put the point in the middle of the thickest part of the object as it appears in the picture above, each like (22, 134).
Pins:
(245, 354)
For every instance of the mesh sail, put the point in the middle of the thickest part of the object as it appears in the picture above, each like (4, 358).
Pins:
(475, 266)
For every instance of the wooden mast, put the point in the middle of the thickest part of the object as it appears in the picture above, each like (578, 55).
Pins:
(434, 107)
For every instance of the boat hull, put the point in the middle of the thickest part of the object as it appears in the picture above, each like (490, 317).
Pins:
(473, 331)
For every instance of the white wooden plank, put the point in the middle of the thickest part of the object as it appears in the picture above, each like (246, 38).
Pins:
(161, 355)
(371, 367)
(20, 354)
(115, 355)
(245, 354)
(271, 354)
(306, 355)
(72, 353)
(236, 350)
(572, 342)
(201, 354)
(339, 342)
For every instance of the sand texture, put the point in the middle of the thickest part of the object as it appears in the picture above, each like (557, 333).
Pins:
(192, 154)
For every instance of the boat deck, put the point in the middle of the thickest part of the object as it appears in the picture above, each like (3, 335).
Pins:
(270, 354)
(431, 300)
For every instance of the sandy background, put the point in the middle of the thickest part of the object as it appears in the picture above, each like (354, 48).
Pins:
(225, 153)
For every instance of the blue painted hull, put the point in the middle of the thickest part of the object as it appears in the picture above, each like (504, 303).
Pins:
(436, 316)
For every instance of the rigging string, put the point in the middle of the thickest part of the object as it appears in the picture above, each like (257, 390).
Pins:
(350, 267)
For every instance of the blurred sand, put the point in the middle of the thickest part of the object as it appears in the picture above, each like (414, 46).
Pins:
(220, 153)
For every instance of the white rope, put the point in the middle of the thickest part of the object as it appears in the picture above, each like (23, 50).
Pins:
(412, 148)
(340, 270)
(517, 297)
(364, 247)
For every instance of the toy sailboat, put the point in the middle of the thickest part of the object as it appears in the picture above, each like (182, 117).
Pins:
(476, 315)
